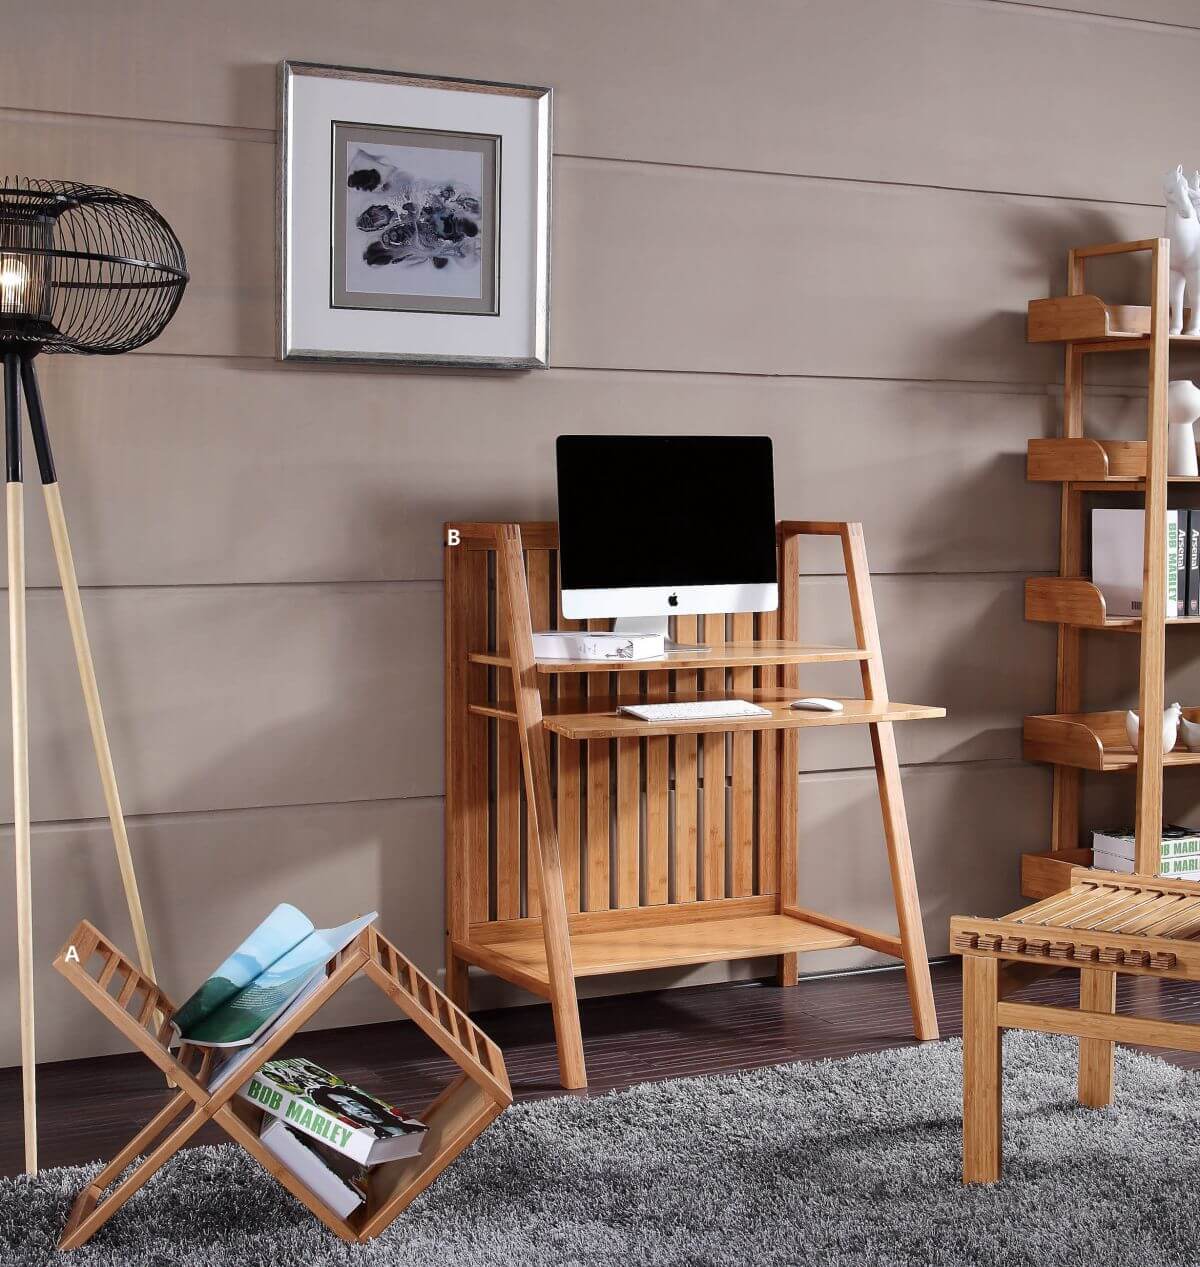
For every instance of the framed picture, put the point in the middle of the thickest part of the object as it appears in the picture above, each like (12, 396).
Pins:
(414, 219)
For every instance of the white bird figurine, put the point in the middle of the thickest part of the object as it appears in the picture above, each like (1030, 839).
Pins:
(1189, 734)
(1170, 727)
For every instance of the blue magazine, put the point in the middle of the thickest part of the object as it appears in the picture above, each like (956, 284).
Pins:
(262, 978)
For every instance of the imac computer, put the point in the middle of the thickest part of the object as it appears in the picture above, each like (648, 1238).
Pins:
(655, 526)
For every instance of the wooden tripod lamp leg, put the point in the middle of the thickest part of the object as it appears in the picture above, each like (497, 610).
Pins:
(20, 749)
(83, 659)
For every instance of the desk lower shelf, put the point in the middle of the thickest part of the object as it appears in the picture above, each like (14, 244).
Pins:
(664, 937)
(597, 718)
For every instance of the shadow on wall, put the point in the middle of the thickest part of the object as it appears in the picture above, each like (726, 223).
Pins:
(1040, 237)
(338, 832)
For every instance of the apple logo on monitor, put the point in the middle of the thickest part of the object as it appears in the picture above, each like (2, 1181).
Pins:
(673, 600)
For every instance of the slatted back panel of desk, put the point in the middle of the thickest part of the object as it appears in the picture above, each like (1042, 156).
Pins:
(641, 822)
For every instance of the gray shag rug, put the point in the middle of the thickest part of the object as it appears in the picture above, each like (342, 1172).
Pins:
(843, 1162)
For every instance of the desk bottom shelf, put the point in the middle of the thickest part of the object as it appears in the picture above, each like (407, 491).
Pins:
(670, 936)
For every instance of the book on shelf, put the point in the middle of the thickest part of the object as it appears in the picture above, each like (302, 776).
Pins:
(258, 987)
(1194, 563)
(341, 1185)
(1119, 842)
(1118, 563)
(1179, 851)
(587, 645)
(1181, 868)
(1186, 867)
(1181, 564)
(310, 1099)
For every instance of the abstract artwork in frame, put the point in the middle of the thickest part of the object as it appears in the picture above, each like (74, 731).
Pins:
(414, 218)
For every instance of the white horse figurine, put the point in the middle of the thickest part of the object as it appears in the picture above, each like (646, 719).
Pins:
(1183, 229)
(1194, 192)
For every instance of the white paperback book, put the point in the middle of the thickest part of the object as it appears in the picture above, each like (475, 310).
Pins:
(1118, 562)
(303, 1160)
(589, 645)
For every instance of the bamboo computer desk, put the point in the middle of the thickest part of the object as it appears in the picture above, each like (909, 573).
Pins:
(581, 841)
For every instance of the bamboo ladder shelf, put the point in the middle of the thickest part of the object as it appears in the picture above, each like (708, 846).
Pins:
(581, 841)
(1069, 739)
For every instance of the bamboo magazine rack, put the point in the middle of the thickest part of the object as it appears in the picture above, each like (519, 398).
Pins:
(582, 841)
(136, 1006)
(1068, 739)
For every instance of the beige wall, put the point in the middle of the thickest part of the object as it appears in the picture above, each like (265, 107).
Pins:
(853, 202)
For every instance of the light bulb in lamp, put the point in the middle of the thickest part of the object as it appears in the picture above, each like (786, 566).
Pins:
(14, 287)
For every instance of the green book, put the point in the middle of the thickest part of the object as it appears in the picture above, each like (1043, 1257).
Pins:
(311, 1099)
(1189, 866)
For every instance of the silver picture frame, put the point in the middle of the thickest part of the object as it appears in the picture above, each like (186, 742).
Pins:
(510, 332)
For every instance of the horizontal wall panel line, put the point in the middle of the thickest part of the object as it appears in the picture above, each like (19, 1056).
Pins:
(262, 136)
(1034, 385)
(975, 763)
(428, 581)
(985, 386)
(1115, 18)
(177, 127)
(868, 970)
(850, 180)
(190, 815)
(359, 587)
(198, 815)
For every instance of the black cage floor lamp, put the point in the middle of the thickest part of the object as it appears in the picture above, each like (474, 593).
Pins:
(82, 269)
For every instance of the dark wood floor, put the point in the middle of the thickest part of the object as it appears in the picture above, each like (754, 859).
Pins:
(89, 1108)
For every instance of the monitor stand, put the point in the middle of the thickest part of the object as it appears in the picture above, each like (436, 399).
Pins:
(655, 625)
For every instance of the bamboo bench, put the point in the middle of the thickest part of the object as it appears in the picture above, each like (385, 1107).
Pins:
(1104, 924)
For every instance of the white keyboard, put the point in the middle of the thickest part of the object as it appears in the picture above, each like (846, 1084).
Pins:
(695, 710)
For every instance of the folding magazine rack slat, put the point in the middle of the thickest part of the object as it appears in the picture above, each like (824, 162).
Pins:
(136, 1006)
(580, 841)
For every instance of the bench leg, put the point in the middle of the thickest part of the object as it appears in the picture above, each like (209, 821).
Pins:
(1097, 993)
(982, 1071)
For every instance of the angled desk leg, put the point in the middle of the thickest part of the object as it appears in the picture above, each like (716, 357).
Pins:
(510, 580)
(787, 970)
(891, 793)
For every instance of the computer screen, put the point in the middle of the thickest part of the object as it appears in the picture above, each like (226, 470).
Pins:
(659, 524)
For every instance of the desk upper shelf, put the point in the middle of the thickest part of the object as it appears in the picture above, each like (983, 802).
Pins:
(720, 655)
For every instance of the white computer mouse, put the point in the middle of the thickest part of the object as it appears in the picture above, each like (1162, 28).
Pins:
(818, 704)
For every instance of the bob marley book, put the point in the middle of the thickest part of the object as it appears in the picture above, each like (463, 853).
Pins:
(336, 1112)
